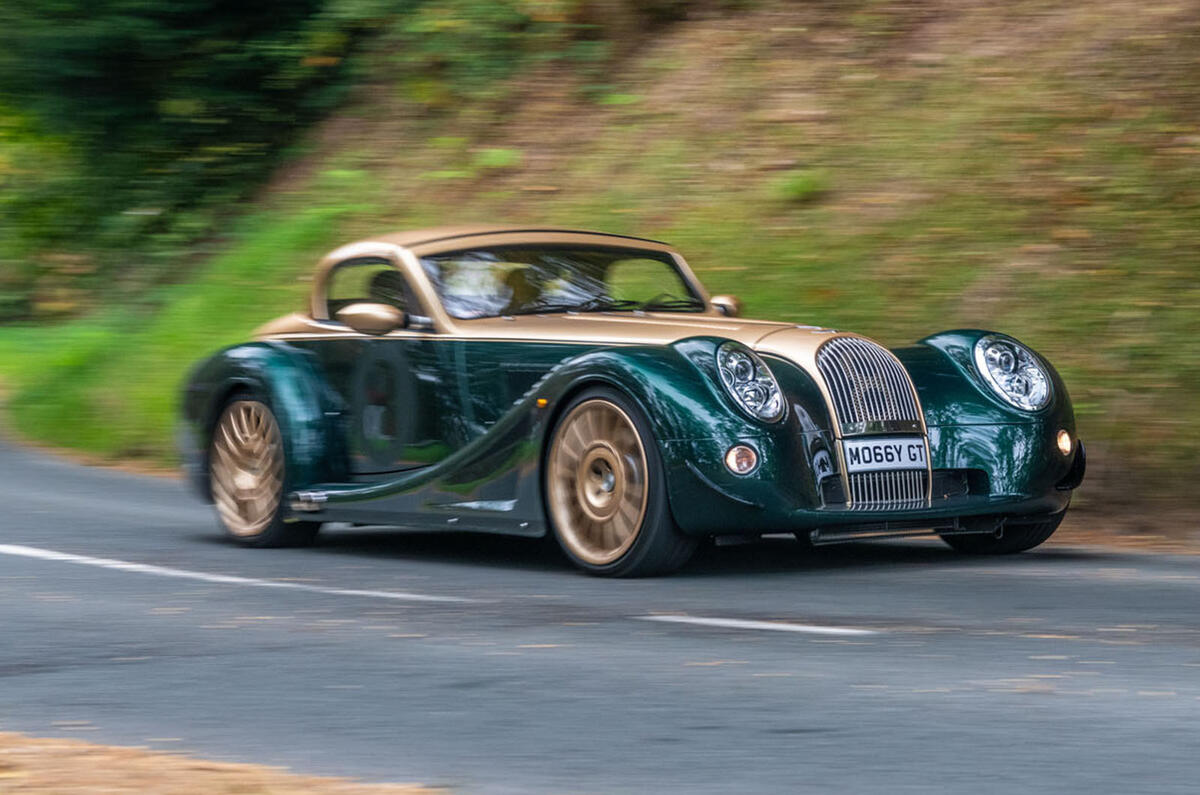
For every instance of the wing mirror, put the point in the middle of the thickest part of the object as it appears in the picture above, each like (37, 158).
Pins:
(727, 305)
(374, 319)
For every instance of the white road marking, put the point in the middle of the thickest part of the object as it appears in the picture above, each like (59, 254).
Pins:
(225, 579)
(738, 623)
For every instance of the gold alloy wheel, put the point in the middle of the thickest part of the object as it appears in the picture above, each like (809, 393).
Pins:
(247, 468)
(596, 487)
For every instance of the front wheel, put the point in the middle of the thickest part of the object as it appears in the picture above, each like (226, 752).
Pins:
(605, 490)
(1015, 538)
(246, 473)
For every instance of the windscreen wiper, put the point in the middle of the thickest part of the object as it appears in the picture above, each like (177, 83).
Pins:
(590, 305)
(672, 303)
(607, 304)
(548, 306)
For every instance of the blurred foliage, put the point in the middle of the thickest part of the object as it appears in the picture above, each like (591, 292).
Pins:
(892, 168)
(450, 48)
(129, 127)
(128, 124)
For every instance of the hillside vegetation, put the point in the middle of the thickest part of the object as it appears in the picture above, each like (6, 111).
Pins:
(892, 168)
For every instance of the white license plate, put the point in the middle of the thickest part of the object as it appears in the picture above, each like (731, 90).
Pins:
(883, 452)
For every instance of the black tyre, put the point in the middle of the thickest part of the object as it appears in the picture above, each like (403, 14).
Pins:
(247, 478)
(1017, 537)
(605, 490)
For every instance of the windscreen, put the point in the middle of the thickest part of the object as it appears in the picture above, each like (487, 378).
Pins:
(523, 280)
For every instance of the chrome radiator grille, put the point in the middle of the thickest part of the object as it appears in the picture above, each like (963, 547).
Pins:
(871, 393)
(891, 490)
(867, 384)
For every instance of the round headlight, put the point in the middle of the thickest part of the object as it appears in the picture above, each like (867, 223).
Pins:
(749, 382)
(1013, 372)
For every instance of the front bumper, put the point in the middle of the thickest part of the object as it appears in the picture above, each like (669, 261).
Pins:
(1006, 471)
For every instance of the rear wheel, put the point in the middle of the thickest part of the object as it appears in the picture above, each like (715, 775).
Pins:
(1015, 538)
(606, 492)
(246, 473)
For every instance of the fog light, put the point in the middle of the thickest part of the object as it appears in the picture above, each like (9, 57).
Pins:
(1064, 443)
(741, 459)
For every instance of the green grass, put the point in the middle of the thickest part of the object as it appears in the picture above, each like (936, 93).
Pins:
(798, 187)
(109, 384)
(891, 196)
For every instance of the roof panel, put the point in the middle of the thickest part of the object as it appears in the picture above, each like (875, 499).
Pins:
(418, 237)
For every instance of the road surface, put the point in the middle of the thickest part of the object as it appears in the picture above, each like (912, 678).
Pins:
(486, 665)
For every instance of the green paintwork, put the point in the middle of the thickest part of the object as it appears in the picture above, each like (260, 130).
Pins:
(465, 437)
(291, 382)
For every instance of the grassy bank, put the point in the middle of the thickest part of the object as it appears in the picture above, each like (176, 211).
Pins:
(894, 169)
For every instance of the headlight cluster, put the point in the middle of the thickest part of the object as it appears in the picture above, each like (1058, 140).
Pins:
(749, 381)
(1013, 372)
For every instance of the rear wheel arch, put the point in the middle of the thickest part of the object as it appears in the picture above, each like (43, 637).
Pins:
(293, 391)
(223, 398)
(253, 472)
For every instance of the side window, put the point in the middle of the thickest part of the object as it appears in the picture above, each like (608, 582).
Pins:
(369, 281)
(643, 279)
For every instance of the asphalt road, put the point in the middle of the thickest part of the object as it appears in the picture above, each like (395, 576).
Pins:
(1062, 670)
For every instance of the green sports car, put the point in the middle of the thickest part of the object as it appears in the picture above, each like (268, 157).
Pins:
(585, 385)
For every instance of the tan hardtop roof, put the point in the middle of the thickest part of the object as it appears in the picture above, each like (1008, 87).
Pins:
(437, 234)
(439, 239)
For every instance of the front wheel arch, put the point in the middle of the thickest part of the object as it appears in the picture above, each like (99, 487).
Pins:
(563, 401)
(561, 404)
(658, 547)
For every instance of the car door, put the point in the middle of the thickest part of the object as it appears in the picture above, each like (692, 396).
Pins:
(393, 389)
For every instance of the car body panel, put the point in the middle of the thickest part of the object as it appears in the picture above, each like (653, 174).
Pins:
(291, 382)
(445, 425)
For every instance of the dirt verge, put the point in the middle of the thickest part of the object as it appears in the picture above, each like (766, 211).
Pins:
(37, 765)
(1167, 530)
